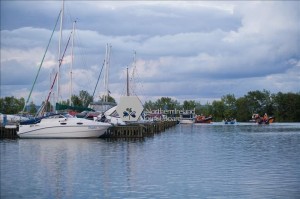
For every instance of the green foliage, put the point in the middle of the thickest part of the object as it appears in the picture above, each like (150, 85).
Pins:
(11, 105)
(242, 111)
(166, 103)
(287, 107)
(149, 105)
(85, 98)
(189, 105)
(76, 101)
(32, 108)
(218, 110)
(111, 99)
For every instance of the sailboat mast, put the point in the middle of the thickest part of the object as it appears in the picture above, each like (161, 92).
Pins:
(127, 83)
(41, 64)
(107, 72)
(106, 75)
(72, 55)
(59, 51)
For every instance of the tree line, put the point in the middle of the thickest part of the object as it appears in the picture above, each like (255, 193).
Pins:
(12, 105)
(285, 107)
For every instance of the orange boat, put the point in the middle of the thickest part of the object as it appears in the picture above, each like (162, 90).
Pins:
(263, 120)
(203, 119)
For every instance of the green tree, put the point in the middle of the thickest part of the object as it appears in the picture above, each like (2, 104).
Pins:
(76, 101)
(229, 102)
(85, 98)
(166, 103)
(149, 105)
(109, 98)
(32, 108)
(259, 102)
(218, 109)
(11, 105)
(243, 113)
(198, 108)
(287, 107)
(189, 105)
(206, 109)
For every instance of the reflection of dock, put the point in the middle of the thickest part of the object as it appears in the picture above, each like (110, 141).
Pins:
(127, 131)
(138, 130)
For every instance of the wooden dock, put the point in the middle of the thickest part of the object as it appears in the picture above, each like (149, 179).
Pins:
(8, 133)
(139, 130)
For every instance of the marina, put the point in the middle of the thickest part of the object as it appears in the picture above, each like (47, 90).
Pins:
(134, 100)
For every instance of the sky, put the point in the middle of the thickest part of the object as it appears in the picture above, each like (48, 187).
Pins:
(185, 50)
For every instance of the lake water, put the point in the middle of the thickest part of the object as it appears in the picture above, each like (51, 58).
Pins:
(186, 161)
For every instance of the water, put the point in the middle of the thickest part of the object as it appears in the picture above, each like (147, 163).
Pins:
(187, 161)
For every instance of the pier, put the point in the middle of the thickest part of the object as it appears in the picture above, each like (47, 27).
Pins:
(138, 130)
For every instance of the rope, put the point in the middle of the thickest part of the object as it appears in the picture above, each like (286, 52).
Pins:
(98, 79)
(41, 63)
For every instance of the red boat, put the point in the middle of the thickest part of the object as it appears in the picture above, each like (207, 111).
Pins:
(203, 119)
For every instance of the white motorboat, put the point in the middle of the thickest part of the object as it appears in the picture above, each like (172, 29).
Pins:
(60, 126)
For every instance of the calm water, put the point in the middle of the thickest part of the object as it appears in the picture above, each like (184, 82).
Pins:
(186, 161)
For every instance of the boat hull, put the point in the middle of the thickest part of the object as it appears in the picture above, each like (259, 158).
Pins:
(64, 129)
(269, 121)
(187, 121)
(206, 120)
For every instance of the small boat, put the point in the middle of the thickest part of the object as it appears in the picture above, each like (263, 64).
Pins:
(263, 120)
(187, 118)
(62, 126)
(203, 119)
(231, 121)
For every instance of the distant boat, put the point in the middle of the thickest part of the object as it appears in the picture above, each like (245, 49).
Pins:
(203, 119)
(61, 126)
(262, 120)
(231, 121)
(187, 117)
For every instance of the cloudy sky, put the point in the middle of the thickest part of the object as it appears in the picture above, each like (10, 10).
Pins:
(186, 50)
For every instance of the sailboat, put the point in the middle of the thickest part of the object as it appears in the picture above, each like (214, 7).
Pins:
(63, 126)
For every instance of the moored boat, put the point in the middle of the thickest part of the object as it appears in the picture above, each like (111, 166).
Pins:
(263, 120)
(203, 119)
(187, 117)
(61, 126)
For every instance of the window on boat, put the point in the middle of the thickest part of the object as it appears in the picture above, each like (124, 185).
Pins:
(63, 123)
(79, 123)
